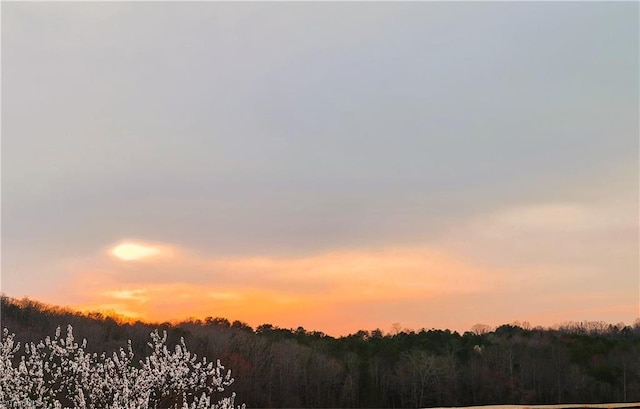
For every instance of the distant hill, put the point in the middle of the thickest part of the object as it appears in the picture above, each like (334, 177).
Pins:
(277, 367)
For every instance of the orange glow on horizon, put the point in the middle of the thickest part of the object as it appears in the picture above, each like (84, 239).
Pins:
(336, 293)
(316, 292)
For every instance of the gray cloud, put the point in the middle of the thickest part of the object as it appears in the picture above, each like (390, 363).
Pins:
(296, 128)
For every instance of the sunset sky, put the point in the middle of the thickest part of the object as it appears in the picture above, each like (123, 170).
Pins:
(336, 166)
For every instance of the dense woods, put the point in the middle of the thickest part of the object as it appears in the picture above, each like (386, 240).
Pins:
(589, 362)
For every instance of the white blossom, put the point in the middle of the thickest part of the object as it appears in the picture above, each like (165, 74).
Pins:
(59, 373)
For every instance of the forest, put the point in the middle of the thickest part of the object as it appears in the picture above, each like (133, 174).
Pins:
(585, 362)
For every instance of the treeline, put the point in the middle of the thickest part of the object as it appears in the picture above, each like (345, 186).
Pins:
(589, 362)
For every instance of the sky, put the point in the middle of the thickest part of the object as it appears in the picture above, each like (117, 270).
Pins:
(332, 165)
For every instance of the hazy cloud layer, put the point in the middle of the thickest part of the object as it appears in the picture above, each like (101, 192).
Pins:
(502, 135)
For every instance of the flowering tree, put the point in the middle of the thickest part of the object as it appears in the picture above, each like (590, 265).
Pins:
(59, 373)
